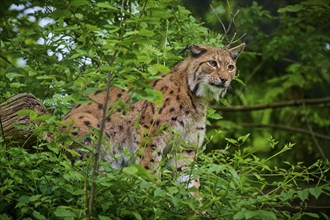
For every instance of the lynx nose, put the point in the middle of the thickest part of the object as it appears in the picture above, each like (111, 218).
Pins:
(223, 79)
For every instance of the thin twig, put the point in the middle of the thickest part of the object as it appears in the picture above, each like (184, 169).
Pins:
(232, 22)
(231, 41)
(254, 71)
(312, 133)
(238, 39)
(222, 24)
(292, 103)
(99, 142)
(102, 126)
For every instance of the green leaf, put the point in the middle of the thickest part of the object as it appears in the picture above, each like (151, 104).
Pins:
(240, 215)
(38, 215)
(303, 194)
(313, 215)
(76, 175)
(291, 8)
(12, 76)
(64, 212)
(25, 112)
(91, 90)
(24, 199)
(212, 114)
(44, 117)
(223, 102)
(144, 59)
(106, 68)
(288, 195)
(47, 77)
(316, 192)
(130, 170)
(239, 81)
(216, 168)
(106, 5)
(92, 27)
(243, 138)
(129, 33)
(232, 141)
(158, 68)
(101, 217)
(159, 192)
(150, 95)
(78, 53)
(137, 215)
(32, 73)
(61, 13)
(146, 33)
(17, 85)
(78, 3)
(35, 198)
(255, 214)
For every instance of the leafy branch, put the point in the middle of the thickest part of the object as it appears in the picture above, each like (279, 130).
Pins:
(293, 103)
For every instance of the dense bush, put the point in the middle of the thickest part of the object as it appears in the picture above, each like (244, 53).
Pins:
(44, 185)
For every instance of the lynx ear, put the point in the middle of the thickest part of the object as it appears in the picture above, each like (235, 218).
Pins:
(236, 51)
(196, 50)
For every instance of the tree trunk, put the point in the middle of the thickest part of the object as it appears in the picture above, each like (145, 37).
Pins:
(15, 129)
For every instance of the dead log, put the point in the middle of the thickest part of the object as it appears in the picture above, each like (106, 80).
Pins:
(11, 124)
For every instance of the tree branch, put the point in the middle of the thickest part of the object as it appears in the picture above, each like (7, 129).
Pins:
(283, 104)
(287, 128)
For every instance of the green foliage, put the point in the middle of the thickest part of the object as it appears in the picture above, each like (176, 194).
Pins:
(44, 185)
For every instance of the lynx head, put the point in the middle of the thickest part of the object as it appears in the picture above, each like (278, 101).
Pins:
(210, 70)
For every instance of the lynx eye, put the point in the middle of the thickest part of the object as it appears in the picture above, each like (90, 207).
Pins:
(213, 63)
(231, 67)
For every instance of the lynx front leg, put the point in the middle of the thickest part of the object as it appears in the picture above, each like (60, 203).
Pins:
(183, 162)
(181, 159)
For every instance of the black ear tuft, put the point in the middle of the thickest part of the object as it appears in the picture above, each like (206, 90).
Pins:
(196, 50)
(236, 51)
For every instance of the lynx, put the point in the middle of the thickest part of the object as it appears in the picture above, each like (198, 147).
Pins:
(150, 131)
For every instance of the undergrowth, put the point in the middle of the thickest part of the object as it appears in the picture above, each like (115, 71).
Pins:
(42, 183)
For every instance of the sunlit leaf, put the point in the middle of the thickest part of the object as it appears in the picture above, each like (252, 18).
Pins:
(130, 170)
